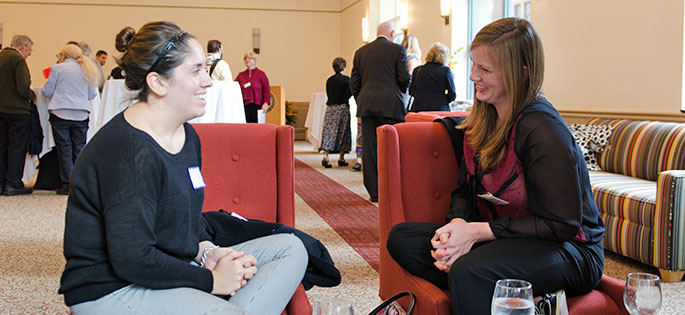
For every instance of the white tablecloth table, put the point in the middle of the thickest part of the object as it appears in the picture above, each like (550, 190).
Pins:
(115, 98)
(48, 139)
(315, 115)
(224, 103)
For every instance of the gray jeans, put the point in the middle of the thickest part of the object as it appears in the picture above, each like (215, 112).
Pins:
(281, 260)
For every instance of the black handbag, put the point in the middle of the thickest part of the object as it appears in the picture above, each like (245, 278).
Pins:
(384, 305)
(35, 132)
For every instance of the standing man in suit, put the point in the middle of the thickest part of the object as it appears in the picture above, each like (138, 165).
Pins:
(15, 113)
(379, 78)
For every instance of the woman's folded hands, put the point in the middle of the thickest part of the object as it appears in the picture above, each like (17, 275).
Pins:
(231, 269)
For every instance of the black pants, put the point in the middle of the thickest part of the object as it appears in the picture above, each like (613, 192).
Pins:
(251, 112)
(14, 136)
(547, 265)
(369, 150)
(70, 138)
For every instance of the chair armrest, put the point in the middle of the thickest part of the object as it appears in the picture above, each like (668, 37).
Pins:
(668, 217)
(285, 168)
(299, 303)
(614, 289)
(389, 186)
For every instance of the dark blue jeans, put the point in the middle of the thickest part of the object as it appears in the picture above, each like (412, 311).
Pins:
(70, 138)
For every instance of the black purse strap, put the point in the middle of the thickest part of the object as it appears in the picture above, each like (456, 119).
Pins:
(395, 298)
(211, 69)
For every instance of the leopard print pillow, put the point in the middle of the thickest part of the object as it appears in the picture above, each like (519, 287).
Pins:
(591, 140)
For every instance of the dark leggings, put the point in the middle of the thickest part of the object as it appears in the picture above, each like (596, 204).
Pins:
(547, 265)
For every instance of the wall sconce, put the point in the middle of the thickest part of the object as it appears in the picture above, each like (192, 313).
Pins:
(445, 8)
(404, 16)
(365, 29)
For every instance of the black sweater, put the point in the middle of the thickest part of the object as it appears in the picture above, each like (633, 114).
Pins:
(132, 216)
(338, 89)
(432, 87)
(556, 180)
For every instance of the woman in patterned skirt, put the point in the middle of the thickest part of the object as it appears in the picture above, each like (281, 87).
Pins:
(336, 131)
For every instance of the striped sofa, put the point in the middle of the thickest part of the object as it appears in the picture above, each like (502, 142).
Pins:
(640, 193)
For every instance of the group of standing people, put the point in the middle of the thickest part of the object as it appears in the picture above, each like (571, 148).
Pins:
(254, 84)
(542, 224)
(379, 81)
(72, 82)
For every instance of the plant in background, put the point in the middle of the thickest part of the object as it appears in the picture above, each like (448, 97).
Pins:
(453, 58)
(290, 113)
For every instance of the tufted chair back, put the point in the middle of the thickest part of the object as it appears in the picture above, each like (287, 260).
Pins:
(249, 169)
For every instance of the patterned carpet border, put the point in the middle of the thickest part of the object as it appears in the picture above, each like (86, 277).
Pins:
(351, 216)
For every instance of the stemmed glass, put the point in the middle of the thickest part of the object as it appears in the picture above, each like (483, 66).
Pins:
(512, 296)
(642, 294)
(334, 307)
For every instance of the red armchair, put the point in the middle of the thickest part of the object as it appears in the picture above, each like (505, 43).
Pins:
(248, 169)
(417, 172)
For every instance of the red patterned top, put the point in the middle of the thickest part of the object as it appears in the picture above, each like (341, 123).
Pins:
(505, 182)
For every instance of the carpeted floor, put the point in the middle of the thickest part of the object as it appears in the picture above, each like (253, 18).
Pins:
(616, 266)
(331, 204)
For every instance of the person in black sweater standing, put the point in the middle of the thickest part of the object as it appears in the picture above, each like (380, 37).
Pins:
(337, 136)
(131, 238)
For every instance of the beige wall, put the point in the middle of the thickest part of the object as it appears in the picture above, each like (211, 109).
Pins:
(612, 56)
(427, 25)
(601, 56)
(351, 31)
(294, 45)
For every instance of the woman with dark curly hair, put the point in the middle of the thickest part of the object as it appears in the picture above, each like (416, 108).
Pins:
(131, 238)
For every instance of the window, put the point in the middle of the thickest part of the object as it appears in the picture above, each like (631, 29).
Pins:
(385, 11)
(521, 9)
(480, 14)
(389, 10)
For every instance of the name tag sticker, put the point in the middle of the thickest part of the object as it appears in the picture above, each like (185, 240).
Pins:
(196, 177)
(247, 85)
(493, 199)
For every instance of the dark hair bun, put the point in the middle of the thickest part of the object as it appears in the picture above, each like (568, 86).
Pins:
(124, 38)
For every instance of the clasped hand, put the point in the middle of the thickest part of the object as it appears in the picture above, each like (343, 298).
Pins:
(231, 269)
(452, 241)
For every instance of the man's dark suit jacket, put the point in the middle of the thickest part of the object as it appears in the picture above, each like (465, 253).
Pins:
(379, 78)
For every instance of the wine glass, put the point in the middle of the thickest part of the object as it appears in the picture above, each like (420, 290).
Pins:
(512, 297)
(642, 294)
(334, 307)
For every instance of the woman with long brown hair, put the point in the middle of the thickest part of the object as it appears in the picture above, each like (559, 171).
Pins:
(523, 207)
